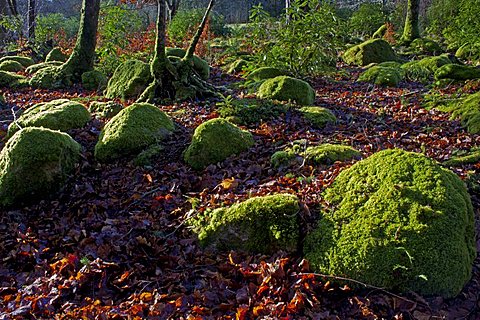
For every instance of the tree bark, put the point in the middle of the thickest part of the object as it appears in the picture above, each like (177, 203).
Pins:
(31, 20)
(411, 30)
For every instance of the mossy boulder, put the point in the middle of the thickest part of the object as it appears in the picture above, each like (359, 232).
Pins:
(319, 117)
(107, 109)
(51, 77)
(371, 51)
(34, 163)
(330, 153)
(94, 80)
(284, 158)
(426, 46)
(382, 76)
(129, 80)
(398, 221)
(257, 225)
(56, 54)
(132, 130)
(12, 80)
(237, 66)
(286, 88)
(214, 141)
(424, 70)
(249, 111)
(24, 61)
(11, 66)
(457, 72)
(265, 73)
(61, 114)
(35, 67)
(199, 65)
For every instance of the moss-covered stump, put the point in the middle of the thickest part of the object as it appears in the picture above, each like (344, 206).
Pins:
(11, 66)
(399, 221)
(249, 111)
(286, 88)
(371, 51)
(34, 163)
(457, 72)
(129, 80)
(265, 73)
(425, 46)
(200, 66)
(330, 153)
(107, 109)
(382, 76)
(24, 61)
(35, 67)
(424, 70)
(12, 80)
(61, 114)
(317, 116)
(56, 54)
(257, 225)
(237, 66)
(94, 80)
(132, 130)
(214, 141)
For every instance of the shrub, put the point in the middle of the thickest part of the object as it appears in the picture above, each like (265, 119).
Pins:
(51, 24)
(367, 19)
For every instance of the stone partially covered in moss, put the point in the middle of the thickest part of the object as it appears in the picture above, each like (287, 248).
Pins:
(129, 80)
(382, 76)
(105, 109)
(12, 80)
(319, 117)
(199, 65)
(283, 158)
(257, 225)
(457, 72)
(34, 163)
(10, 65)
(286, 88)
(371, 51)
(56, 54)
(425, 46)
(214, 141)
(424, 70)
(94, 80)
(133, 129)
(24, 61)
(51, 77)
(35, 67)
(250, 111)
(61, 114)
(330, 153)
(265, 73)
(399, 221)
(237, 66)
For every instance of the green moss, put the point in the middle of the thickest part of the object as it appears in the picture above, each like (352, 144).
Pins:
(382, 76)
(473, 156)
(176, 52)
(214, 141)
(468, 110)
(24, 61)
(257, 225)
(330, 153)
(319, 117)
(286, 88)
(35, 67)
(145, 158)
(237, 66)
(399, 221)
(284, 158)
(425, 46)
(56, 54)
(380, 32)
(34, 163)
(61, 114)
(424, 70)
(129, 80)
(250, 111)
(468, 52)
(10, 65)
(374, 50)
(199, 65)
(390, 64)
(51, 77)
(265, 73)
(105, 109)
(94, 80)
(12, 80)
(457, 72)
(132, 130)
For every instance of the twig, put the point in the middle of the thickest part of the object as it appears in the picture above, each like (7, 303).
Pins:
(15, 118)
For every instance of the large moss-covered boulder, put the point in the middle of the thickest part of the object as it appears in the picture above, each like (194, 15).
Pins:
(424, 70)
(199, 65)
(24, 61)
(34, 163)
(257, 225)
(329, 153)
(214, 141)
(265, 73)
(319, 117)
(286, 88)
(61, 114)
(382, 76)
(371, 51)
(12, 66)
(56, 54)
(94, 80)
(132, 130)
(398, 221)
(12, 80)
(51, 77)
(129, 80)
(457, 72)
(35, 67)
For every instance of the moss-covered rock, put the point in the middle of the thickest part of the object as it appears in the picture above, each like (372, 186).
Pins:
(265, 73)
(51, 77)
(237, 66)
(11, 66)
(199, 65)
(382, 76)
(129, 80)
(424, 70)
(94, 80)
(12, 80)
(257, 225)
(214, 141)
(425, 46)
(249, 111)
(399, 221)
(330, 153)
(473, 156)
(107, 109)
(468, 110)
(61, 114)
(319, 117)
(35, 67)
(56, 54)
(371, 51)
(24, 61)
(457, 72)
(34, 163)
(284, 158)
(286, 88)
(132, 130)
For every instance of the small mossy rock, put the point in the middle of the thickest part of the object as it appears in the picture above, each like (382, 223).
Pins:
(424, 70)
(257, 225)
(132, 130)
(283, 158)
(249, 111)
(382, 76)
(199, 65)
(12, 80)
(129, 80)
(425, 46)
(457, 72)
(11, 66)
(35, 67)
(94, 80)
(265, 73)
(319, 117)
(237, 66)
(56, 54)
(285, 88)
(34, 163)
(145, 158)
(24, 61)
(400, 222)
(371, 51)
(61, 114)
(51, 77)
(214, 141)
(107, 109)
(330, 153)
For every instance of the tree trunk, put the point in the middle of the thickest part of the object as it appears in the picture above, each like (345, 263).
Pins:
(412, 28)
(173, 6)
(3, 13)
(31, 20)
(12, 4)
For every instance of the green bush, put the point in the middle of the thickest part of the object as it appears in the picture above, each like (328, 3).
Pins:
(367, 19)
(50, 24)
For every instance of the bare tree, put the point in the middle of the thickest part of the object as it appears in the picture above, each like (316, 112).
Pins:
(31, 20)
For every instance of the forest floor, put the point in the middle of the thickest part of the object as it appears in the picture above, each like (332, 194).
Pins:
(115, 242)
